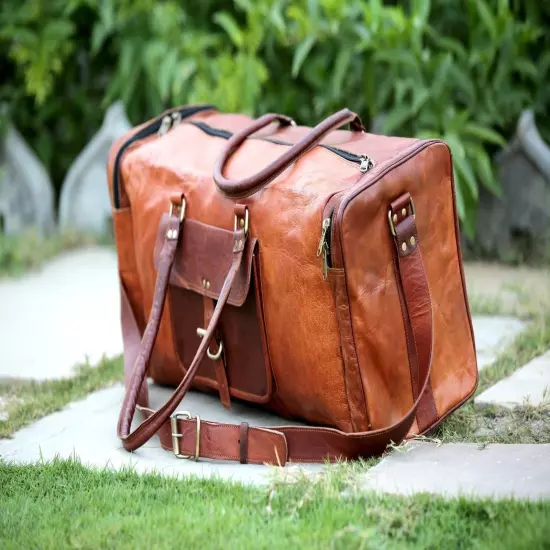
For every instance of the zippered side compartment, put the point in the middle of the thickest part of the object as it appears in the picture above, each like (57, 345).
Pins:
(357, 402)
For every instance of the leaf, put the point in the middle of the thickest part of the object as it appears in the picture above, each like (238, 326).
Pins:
(459, 198)
(485, 171)
(396, 118)
(483, 133)
(467, 175)
(420, 98)
(301, 54)
(486, 17)
(420, 11)
(229, 25)
(440, 77)
(340, 69)
(99, 33)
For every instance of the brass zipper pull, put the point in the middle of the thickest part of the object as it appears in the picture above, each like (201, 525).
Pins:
(322, 242)
(165, 125)
(323, 246)
(366, 163)
(176, 118)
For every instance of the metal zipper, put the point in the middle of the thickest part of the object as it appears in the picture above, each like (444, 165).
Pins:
(324, 244)
(364, 161)
(328, 235)
(165, 121)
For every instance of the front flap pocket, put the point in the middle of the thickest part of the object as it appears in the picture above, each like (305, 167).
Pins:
(201, 264)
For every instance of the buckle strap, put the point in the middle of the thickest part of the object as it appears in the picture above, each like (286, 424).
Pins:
(176, 435)
(220, 441)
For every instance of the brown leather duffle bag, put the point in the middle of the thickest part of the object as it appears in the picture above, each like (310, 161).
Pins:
(315, 272)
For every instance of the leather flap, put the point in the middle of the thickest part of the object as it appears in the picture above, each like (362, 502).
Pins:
(205, 253)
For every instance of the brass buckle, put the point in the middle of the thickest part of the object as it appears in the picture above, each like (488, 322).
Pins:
(390, 218)
(243, 223)
(176, 435)
(181, 207)
(214, 356)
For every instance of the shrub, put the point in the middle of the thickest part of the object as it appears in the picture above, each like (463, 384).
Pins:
(460, 71)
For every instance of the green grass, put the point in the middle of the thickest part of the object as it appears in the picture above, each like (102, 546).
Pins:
(26, 401)
(62, 504)
(20, 253)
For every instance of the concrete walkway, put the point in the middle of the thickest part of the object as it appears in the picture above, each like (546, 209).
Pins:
(528, 385)
(58, 317)
(465, 469)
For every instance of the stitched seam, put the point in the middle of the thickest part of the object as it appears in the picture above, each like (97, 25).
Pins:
(404, 313)
(429, 385)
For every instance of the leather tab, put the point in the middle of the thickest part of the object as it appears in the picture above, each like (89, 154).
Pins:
(219, 364)
(243, 443)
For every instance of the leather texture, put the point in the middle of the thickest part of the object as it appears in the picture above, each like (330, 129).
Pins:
(381, 350)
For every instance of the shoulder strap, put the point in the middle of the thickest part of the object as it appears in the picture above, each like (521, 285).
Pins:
(193, 437)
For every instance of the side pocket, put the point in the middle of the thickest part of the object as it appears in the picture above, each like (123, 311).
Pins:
(354, 386)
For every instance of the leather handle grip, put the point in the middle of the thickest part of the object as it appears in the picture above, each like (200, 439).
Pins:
(250, 184)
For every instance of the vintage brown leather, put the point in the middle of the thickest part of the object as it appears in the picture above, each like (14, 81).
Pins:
(316, 272)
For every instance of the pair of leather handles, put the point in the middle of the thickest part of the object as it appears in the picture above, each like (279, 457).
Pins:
(246, 186)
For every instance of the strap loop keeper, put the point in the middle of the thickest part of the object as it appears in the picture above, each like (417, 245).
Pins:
(243, 443)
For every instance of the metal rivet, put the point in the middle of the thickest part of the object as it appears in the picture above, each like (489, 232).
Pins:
(395, 218)
(241, 222)
(404, 247)
(207, 285)
(204, 283)
(404, 212)
(412, 241)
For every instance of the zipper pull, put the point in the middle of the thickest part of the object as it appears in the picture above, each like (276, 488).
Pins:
(322, 242)
(165, 125)
(176, 118)
(366, 163)
(323, 246)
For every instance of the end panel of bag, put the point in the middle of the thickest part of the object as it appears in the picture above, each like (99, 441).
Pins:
(377, 318)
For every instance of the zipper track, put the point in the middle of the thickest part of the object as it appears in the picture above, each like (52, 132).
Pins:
(352, 157)
(145, 132)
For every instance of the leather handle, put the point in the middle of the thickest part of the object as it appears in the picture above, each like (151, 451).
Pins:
(250, 184)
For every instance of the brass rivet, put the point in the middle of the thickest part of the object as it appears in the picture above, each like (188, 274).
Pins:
(207, 285)
(413, 240)
(241, 222)
(404, 247)
(395, 218)
(404, 212)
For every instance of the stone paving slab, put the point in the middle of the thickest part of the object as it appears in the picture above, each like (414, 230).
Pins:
(529, 384)
(58, 317)
(493, 334)
(87, 429)
(465, 469)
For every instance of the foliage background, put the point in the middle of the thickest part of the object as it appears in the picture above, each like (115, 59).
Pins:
(460, 70)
